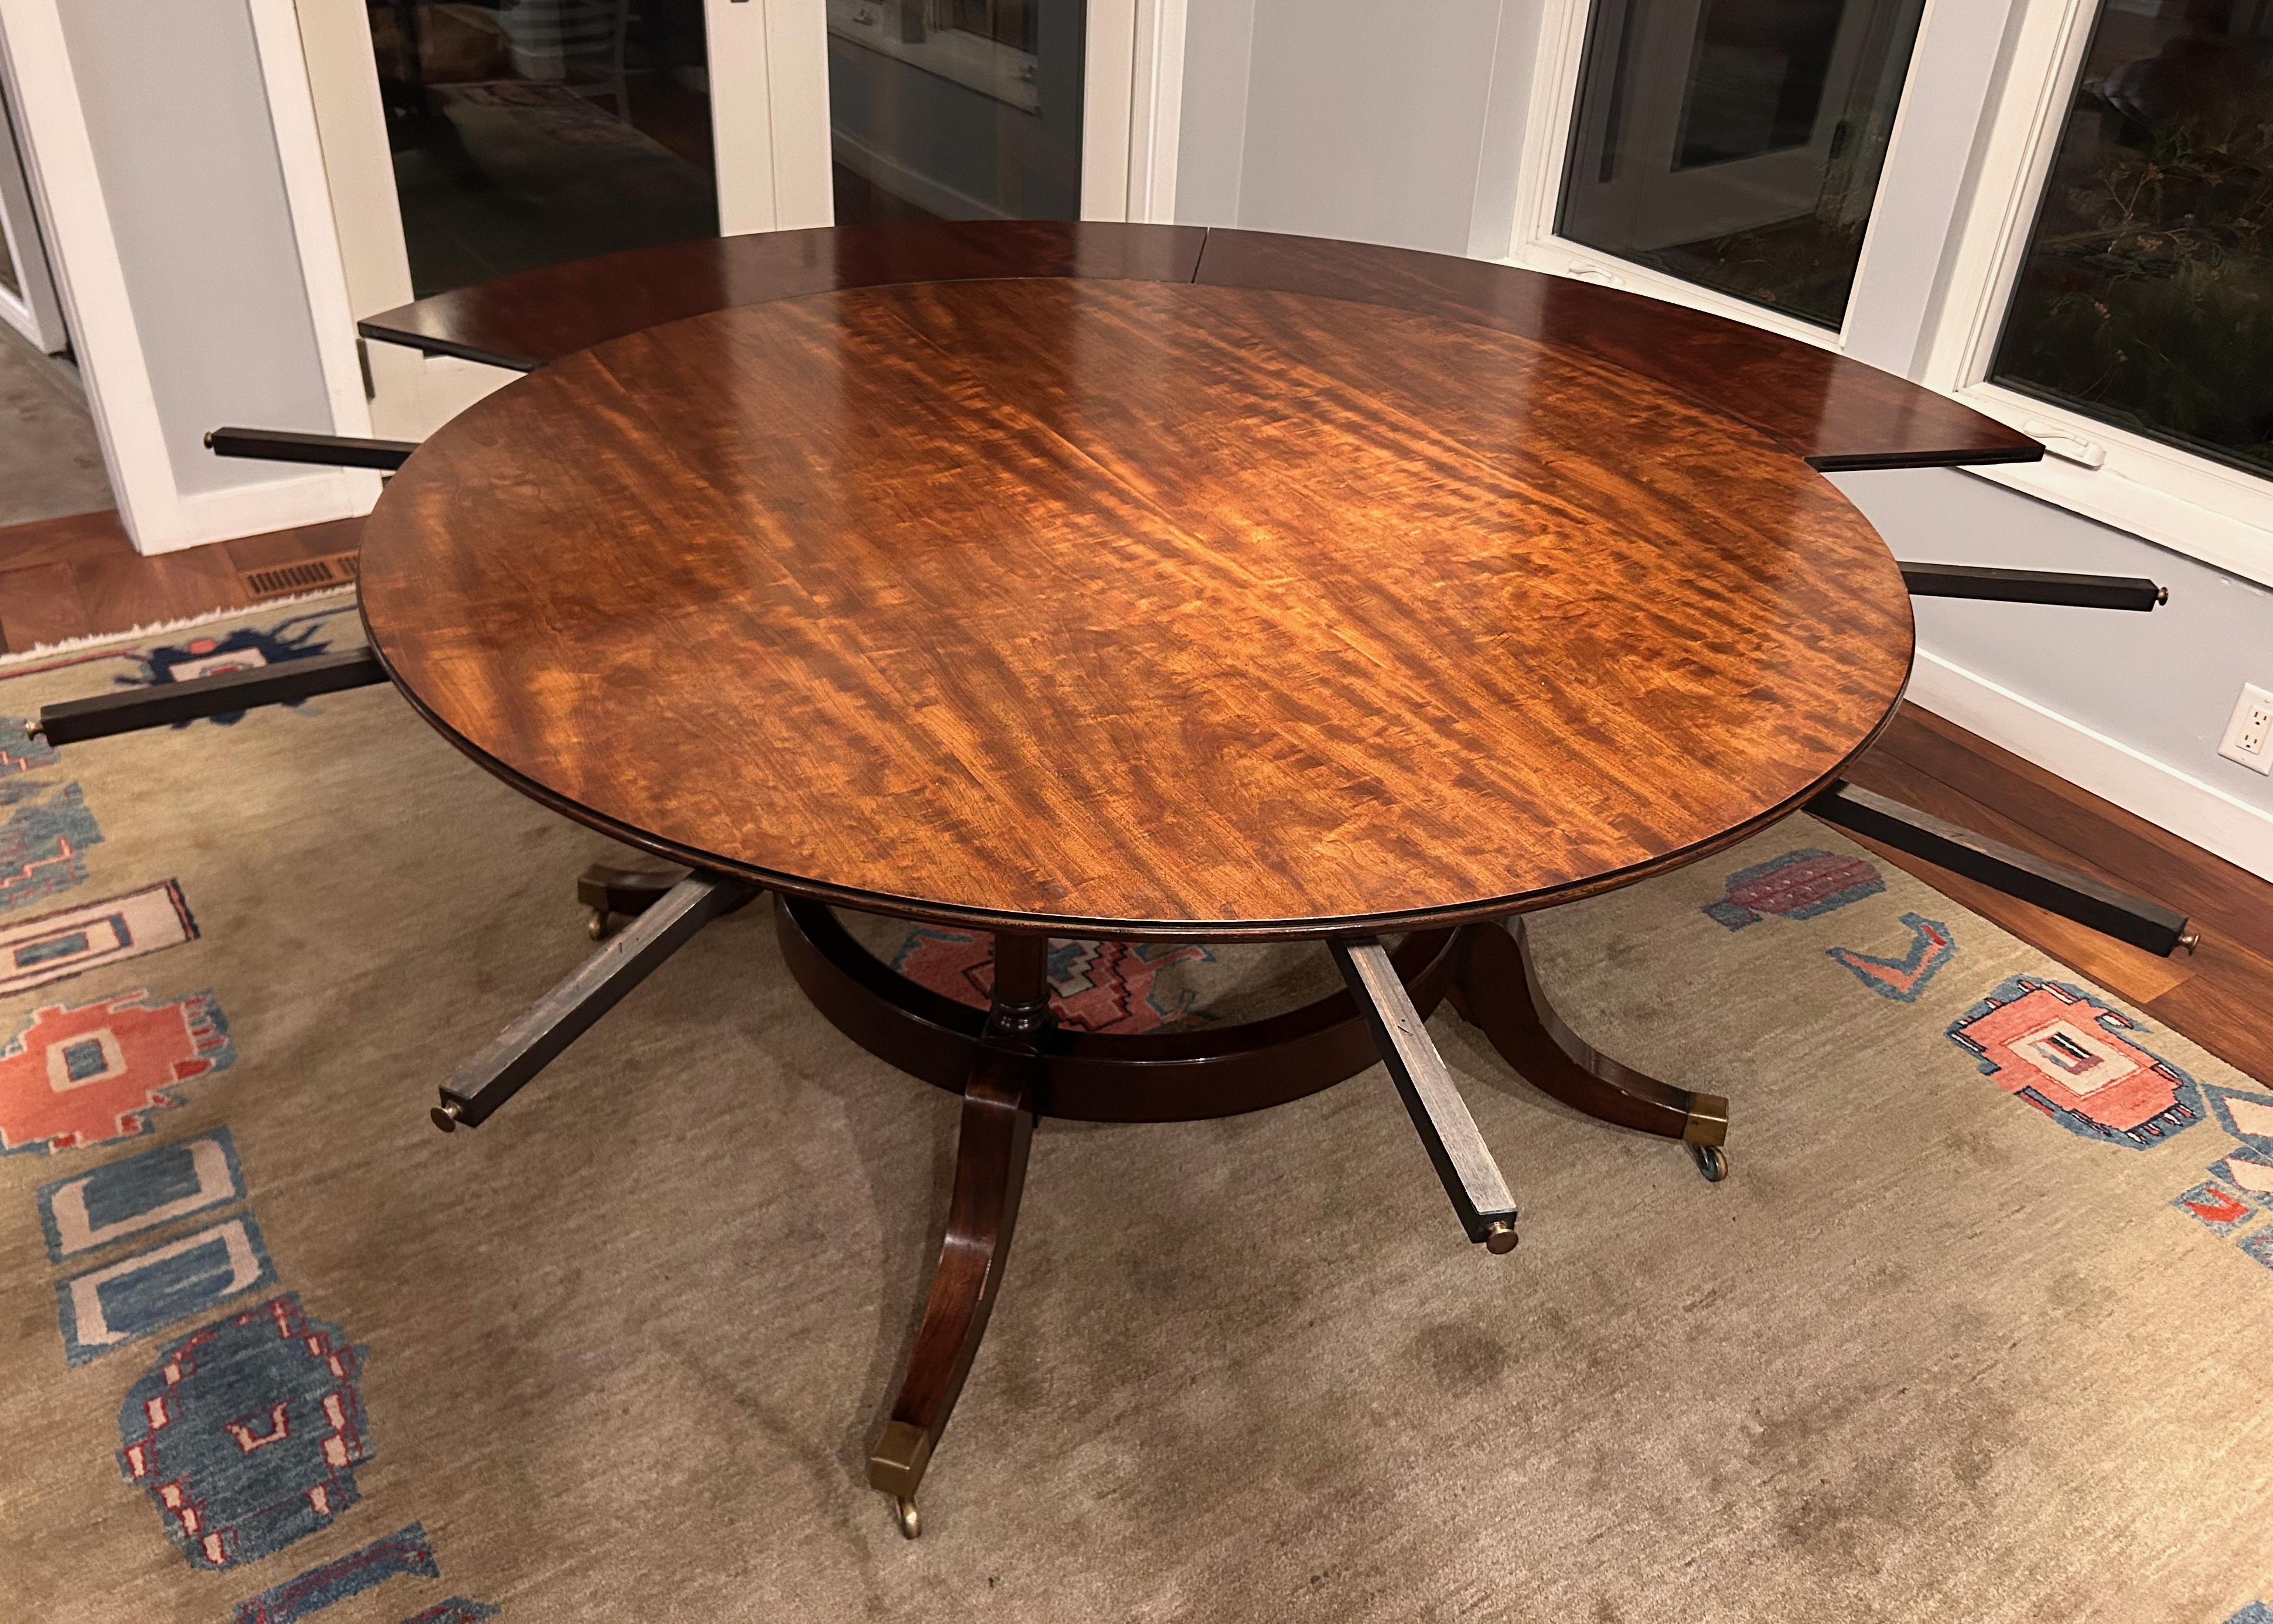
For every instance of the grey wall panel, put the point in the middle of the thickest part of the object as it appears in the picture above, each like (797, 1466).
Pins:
(1367, 121)
(1211, 140)
(177, 114)
(2164, 682)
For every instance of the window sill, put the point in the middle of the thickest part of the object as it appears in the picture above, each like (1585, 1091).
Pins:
(1557, 256)
(2188, 505)
(2142, 509)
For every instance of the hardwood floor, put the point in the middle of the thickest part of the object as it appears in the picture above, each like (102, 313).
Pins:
(2220, 996)
(75, 577)
(79, 576)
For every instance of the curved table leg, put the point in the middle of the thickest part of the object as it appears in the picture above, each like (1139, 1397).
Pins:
(990, 1173)
(1498, 991)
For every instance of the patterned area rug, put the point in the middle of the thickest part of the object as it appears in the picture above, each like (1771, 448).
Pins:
(1975, 1329)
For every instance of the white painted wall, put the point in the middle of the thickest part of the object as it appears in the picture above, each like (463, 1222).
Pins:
(1349, 118)
(1218, 51)
(178, 119)
(2158, 685)
(1405, 124)
(176, 251)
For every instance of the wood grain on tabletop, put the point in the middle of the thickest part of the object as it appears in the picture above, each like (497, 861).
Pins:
(1139, 606)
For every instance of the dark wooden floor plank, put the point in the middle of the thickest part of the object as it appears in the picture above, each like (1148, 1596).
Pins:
(121, 594)
(76, 539)
(2223, 1007)
(40, 604)
(280, 547)
(2094, 835)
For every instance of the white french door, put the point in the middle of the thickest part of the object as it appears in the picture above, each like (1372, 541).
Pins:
(991, 110)
(1691, 143)
(27, 287)
(464, 141)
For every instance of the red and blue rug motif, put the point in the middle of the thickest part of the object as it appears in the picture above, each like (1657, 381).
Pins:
(246, 1434)
(1094, 986)
(2071, 1056)
(83, 1075)
(1799, 885)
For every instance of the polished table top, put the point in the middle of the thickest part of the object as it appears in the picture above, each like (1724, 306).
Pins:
(1135, 607)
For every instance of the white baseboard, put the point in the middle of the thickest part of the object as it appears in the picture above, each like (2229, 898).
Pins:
(2165, 797)
(254, 510)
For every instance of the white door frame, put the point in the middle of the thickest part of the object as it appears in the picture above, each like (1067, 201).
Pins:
(1132, 108)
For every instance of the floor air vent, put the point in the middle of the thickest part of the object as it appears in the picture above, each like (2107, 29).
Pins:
(304, 575)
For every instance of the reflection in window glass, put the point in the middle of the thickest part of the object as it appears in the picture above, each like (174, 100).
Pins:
(529, 132)
(1736, 144)
(956, 109)
(8, 279)
(2146, 297)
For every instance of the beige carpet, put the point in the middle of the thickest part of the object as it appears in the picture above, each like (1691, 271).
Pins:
(1930, 1353)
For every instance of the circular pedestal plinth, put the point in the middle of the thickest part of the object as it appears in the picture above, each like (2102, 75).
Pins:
(1179, 1076)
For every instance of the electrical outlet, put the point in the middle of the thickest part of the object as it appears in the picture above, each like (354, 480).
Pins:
(2249, 734)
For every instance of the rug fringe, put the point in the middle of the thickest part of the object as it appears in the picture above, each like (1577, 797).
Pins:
(99, 639)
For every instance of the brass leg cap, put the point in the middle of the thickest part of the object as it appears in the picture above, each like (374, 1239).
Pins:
(1708, 1121)
(895, 1465)
(1499, 1239)
(445, 1116)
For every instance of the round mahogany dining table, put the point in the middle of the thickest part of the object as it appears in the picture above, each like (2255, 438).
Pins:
(1106, 607)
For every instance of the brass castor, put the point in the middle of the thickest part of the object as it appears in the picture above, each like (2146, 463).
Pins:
(910, 1519)
(597, 927)
(1711, 1161)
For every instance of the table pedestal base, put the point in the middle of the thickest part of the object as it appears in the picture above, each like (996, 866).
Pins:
(1010, 1064)
(1183, 1076)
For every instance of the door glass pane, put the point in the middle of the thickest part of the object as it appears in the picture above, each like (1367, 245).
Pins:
(956, 109)
(528, 132)
(2146, 297)
(1736, 144)
(8, 278)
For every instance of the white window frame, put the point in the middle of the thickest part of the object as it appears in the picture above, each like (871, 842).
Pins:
(2011, 86)
(33, 308)
(2175, 499)
(1557, 68)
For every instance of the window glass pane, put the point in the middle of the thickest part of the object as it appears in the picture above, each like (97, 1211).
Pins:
(2146, 297)
(1736, 144)
(956, 109)
(529, 132)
